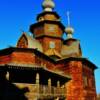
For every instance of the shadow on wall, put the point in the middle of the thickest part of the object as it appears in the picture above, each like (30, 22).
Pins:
(9, 91)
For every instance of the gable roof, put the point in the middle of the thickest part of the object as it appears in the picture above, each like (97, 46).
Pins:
(32, 42)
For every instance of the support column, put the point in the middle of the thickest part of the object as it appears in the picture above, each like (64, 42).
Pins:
(58, 84)
(37, 78)
(49, 85)
(7, 75)
(37, 82)
(63, 90)
(58, 89)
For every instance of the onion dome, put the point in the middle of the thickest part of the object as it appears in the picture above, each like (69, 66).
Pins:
(48, 5)
(69, 30)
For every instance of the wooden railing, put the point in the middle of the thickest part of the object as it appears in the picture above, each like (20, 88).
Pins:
(50, 90)
(42, 91)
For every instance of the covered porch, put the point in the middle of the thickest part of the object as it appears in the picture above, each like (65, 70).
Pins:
(41, 83)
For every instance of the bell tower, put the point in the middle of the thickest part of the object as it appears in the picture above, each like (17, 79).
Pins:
(48, 29)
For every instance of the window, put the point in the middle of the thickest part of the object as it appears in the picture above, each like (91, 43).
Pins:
(41, 19)
(52, 44)
(85, 81)
(51, 28)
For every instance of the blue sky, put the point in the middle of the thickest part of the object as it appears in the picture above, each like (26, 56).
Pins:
(17, 15)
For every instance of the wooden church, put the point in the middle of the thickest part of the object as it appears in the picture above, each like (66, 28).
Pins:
(44, 66)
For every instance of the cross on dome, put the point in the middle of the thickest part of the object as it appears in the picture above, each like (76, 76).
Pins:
(68, 16)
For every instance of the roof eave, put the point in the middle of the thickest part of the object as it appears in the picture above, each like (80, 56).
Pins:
(46, 21)
(48, 12)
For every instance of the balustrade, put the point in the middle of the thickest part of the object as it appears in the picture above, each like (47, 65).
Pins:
(42, 91)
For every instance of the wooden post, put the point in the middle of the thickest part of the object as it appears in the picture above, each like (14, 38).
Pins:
(7, 75)
(63, 89)
(49, 82)
(37, 78)
(58, 88)
(49, 85)
(58, 84)
(37, 82)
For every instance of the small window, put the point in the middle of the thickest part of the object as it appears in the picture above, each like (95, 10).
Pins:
(52, 28)
(41, 19)
(52, 44)
(90, 83)
(85, 81)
